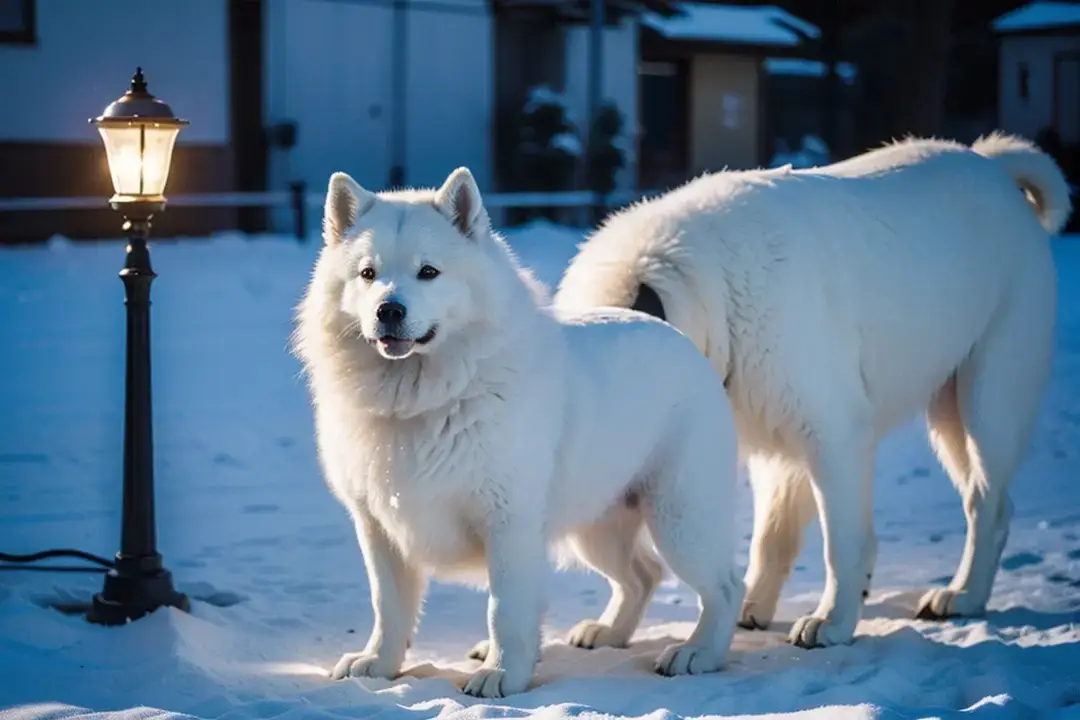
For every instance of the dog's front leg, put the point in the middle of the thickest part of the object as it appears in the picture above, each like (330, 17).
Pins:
(397, 589)
(843, 478)
(516, 556)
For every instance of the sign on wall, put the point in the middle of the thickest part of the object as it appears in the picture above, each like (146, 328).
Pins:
(731, 107)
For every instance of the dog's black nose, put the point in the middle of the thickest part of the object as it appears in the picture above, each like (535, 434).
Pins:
(390, 313)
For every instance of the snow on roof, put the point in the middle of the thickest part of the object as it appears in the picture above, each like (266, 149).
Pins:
(751, 25)
(1039, 16)
(807, 68)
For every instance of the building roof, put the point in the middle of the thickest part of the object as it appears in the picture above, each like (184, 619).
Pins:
(764, 25)
(581, 10)
(1039, 15)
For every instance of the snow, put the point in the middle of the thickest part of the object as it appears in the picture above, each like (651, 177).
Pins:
(252, 534)
(808, 68)
(736, 24)
(542, 95)
(568, 143)
(1039, 16)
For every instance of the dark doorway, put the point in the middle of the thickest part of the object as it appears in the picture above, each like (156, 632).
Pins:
(246, 134)
(663, 151)
(530, 50)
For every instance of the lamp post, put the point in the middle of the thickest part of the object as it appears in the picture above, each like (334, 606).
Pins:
(139, 132)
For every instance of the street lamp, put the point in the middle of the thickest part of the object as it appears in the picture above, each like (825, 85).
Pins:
(139, 132)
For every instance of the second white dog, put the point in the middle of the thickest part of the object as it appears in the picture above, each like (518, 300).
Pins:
(837, 302)
(467, 429)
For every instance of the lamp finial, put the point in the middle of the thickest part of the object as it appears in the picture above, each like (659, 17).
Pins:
(138, 82)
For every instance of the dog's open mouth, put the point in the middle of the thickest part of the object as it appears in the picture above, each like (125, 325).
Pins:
(393, 346)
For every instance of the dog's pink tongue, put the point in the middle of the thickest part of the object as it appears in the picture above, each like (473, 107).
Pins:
(395, 346)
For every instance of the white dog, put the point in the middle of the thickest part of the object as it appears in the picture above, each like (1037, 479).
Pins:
(837, 302)
(467, 429)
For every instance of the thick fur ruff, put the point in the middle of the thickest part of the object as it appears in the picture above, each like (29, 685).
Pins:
(468, 429)
(839, 301)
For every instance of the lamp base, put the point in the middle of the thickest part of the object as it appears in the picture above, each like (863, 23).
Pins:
(131, 593)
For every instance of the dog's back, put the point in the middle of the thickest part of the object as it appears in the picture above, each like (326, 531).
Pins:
(925, 205)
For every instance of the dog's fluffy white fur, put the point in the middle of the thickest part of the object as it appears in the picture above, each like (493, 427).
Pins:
(468, 429)
(839, 301)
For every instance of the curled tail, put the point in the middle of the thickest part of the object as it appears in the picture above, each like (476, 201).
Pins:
(1035, 172)
(631, 263)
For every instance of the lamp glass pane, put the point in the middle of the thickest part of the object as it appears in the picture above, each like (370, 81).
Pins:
(139, 157)
(122, 152)
(157, 158)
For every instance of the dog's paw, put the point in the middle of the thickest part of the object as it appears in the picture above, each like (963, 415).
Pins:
(363, 664)
(592, 634)
(941, 603)
(814, 632)
(687, 659)
(480, 650)
(495, 683)
(486, 683)
(754, 617)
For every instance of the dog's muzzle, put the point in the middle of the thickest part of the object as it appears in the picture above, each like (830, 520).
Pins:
(394, 342)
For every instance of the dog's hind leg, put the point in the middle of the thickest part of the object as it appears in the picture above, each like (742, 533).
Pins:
(695, 536)
(783, 505)
(996, 396)
(949, 438)
(612, 548)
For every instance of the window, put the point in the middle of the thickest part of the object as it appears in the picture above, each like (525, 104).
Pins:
(17, 21)
(1023, 82)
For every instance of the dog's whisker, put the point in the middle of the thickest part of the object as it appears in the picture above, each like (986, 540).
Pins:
(349, 329)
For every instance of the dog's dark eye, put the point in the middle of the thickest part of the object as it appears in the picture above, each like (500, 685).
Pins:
(427, 273)
(368, 273)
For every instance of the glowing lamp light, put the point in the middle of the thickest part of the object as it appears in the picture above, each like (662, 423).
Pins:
(139, 132)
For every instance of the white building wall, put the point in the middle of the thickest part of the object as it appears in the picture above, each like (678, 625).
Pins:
(329, 68)
(87, 52)
(1028, 117)
(620, 84)
(451, 93)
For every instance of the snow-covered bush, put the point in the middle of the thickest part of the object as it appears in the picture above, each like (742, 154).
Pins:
(548, 149)
(549, 145)
(606, 151)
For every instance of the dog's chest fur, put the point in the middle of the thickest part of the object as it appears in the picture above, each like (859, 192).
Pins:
(425, 480)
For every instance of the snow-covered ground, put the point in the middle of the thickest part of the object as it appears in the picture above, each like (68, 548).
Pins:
(254, 537)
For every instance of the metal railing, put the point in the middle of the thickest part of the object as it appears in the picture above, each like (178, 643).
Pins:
(300, 201)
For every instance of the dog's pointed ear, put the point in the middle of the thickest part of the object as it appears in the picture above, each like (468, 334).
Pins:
(346, 201)
(459, 200)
